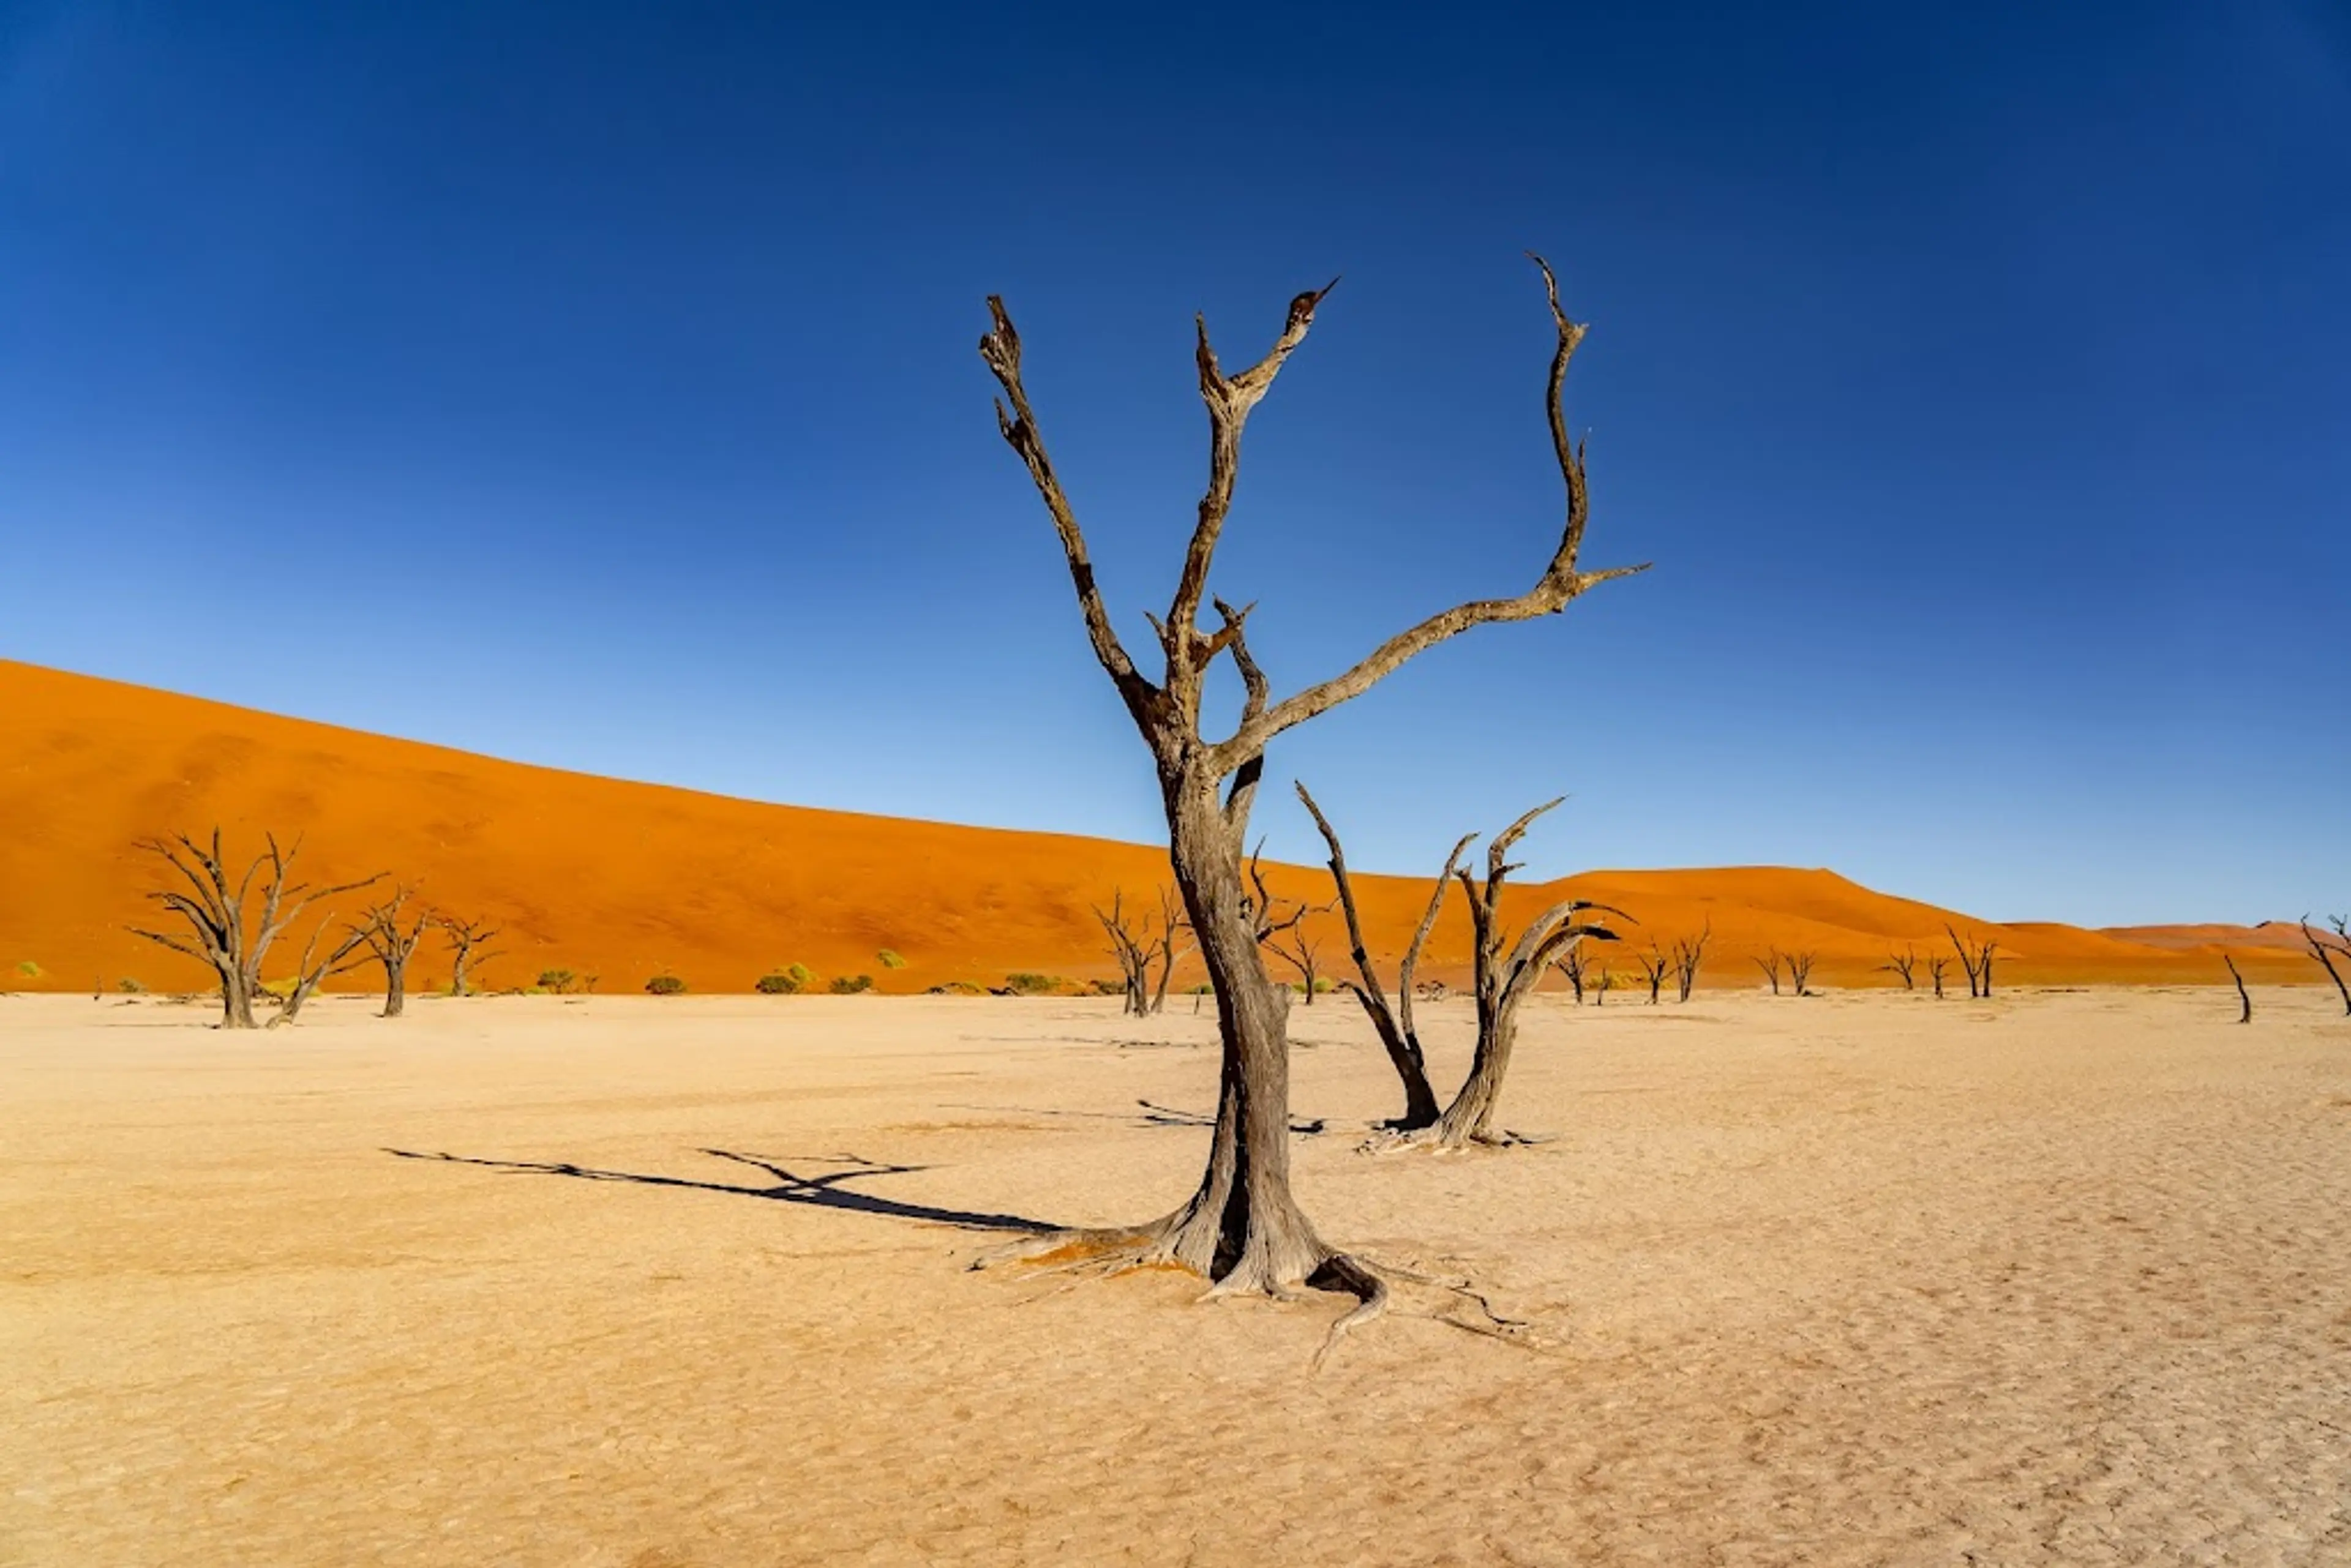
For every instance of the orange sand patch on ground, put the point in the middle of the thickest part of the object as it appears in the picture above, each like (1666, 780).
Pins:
(624, 881)
(1863, 1280)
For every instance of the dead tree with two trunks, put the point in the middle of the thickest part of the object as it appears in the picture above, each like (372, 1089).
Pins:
(1243, 1226)
(1975, 957)
(2332, 953)
(1501, 984)
(1688, 954)
(224, 929)
(1141, 944)
(390, 936)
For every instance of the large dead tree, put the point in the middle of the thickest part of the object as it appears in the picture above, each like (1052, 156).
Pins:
(469, 945)
(390, 936)
(1242, 1226)
(1501, 984)
(2334, 954)
(1688, 954)
(226, 930)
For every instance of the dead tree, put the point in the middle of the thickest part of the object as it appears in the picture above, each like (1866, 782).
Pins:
(1655, 964)
(1688, 955)
(345, 953)
(2244, 998)
(1905, 964)
(1242, 1226)
(465, 938)
(1571, 964)
(1937, 968)
(1800, 972)
(2328, 950)
(1605, 982)
(1976, 959)
(1127, 947)
(389, 942)
(1285, 936)
(224, 929)
(1769, 965)
(1393, 1025)
(1503, 983)
(1172, 928)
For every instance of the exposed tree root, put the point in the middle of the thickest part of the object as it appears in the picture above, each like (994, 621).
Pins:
(1387, 1139)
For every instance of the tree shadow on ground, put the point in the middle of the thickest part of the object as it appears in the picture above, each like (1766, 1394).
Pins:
(818, 1191)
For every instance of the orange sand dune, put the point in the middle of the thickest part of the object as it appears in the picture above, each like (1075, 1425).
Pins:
(623, 881)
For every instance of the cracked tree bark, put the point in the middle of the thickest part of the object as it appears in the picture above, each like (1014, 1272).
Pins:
(1242, 1226)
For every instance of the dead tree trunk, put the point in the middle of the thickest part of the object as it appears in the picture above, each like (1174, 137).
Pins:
(1172, 926)
(1126, 946)
(1503, 984)
(1392, 1025)
(1655, 964)
(1687, 957)
(1570, 964)
(1905, 964)
(2327, 951)
(1976, 960)
(1800, 972)
(391, 944)
(223, 931)
(1937, 968)
(465, 938)
(1771, 967)
(1601, 987)
(2244, 998)
(1242, 1226)
(315, 966)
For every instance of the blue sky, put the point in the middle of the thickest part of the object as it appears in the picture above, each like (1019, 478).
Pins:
(595, 386)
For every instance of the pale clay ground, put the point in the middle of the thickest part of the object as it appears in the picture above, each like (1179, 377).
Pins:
(2064, 1278)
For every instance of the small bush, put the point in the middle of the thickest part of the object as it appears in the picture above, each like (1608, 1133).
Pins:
(128, 986)
(777, 984)
(665, 986)
(557, 980)
(957, 989)
(1108, 987)
(1022, 983)
(889, 960)
(850, 985)
(29, 970)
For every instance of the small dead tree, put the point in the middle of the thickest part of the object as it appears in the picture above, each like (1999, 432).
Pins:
(1937, 968)
(1800, 972)
(1127, 947)
(1285, 936)
(224, 930)
(1242, 1225)
(2332, 953)
(1688, 955)
(1769, 965)
(345, 953)
(469, 945)
(1655, 964)
(1905, 964)
(2244, 998)
(1572, 965)
(1975, 957)
(1173, 927)
(391, 937)
(1602, 984)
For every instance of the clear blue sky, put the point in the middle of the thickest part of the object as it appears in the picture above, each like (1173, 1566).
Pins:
(595, 386)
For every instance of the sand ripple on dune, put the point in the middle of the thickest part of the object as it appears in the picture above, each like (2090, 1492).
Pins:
(1854, 1281)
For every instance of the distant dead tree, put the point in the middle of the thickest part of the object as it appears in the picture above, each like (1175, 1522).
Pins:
(1141, 944)
(390, 936)
(224, 930)
(1769, 965)
(1285, 936)
(469, 945)
(1688, 955)
(1571, 964)
(2332, 953)
(1905, 964)
(1655, 964)
(1976, 959)
(1937, 966)
(1242, 1225)
(1501, 984)
(2244, 998)
(1800, 972)
(1602, 984)
(1172, 930)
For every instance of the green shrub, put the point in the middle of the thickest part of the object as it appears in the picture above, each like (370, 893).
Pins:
(850, 985)
(1107, 987)
(665, 986)
(128, 986)
(1022, 983)
(780, 983)
(557, 980)
(889, 960)
(29, 970)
